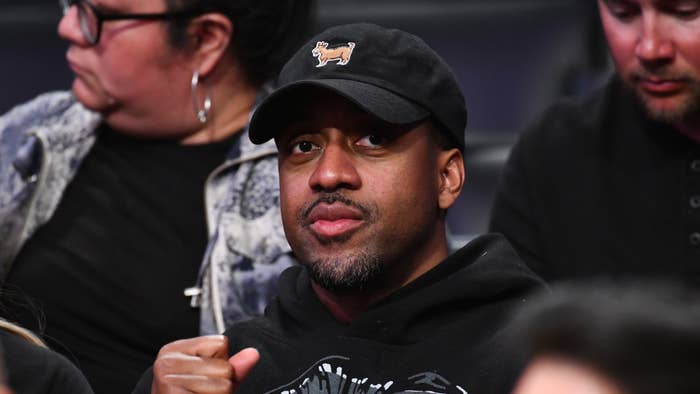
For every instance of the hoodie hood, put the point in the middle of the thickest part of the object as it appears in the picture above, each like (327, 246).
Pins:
(484, 279)
(445, 332)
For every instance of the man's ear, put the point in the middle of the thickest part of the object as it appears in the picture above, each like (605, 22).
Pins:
(452, 175)
(210, 35)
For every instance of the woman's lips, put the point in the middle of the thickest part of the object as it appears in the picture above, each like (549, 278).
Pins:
(334, 220)
(74, 65)
(77, 70)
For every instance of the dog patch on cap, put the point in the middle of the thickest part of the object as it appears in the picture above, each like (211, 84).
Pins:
(341, 54)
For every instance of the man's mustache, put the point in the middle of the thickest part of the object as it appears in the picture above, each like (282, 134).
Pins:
(643, 74)
(330, 198)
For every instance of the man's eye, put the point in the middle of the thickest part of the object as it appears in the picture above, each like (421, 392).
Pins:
(686, 11)
(372, 141)
(303, 147)
(623, 13)
(622, 10)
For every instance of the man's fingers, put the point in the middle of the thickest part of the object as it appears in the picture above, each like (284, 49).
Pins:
(181, 373)
(214, 346)
(243, 362)
(201, 365)
(184, 364)
(198, 384)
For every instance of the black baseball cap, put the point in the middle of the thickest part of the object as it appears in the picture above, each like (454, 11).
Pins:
(389, 73)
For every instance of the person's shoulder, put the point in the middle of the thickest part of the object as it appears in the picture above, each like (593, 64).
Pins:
(51, 107)
(572, 119)
(572, 127)
(35, 369)
(492, 256)
(46, 104)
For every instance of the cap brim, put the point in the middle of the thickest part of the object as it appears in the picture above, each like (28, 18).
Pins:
(271, 116)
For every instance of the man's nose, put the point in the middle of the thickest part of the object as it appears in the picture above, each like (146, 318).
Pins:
(335, 169)
(653, 43)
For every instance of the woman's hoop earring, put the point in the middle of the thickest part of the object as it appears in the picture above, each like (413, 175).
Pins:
(203, 112)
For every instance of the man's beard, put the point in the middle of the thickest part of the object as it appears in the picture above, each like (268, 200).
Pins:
(687, 110)
(358, 269)
(359, 272)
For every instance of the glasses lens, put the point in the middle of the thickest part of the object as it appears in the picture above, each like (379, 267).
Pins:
(89, 23)
(65, 5)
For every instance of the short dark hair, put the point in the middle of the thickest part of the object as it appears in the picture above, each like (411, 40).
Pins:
(266, 32)
(645, 337)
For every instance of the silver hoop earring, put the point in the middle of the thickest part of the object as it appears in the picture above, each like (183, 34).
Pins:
(203, 112)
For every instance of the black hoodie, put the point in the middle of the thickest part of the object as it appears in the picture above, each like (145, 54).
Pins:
(442, 333)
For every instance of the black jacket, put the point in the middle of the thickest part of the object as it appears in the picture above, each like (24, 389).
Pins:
(442, 333)
(595, 188)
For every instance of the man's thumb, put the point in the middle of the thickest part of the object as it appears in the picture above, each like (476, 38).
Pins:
(243, 362)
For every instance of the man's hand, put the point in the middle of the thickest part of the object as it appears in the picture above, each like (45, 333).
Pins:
(201, 365)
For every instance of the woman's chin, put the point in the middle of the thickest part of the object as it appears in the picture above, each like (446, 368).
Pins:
(95, 101)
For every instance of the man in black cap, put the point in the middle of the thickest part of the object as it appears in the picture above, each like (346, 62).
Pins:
(369, 124)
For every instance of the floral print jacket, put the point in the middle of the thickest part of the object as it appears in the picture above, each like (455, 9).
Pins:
(42, 144)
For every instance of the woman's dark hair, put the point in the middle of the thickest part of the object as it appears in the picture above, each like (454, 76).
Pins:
(266, 32)
(643, 336)
(20, 302)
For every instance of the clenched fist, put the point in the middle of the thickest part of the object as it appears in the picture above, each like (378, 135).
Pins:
(201, 365)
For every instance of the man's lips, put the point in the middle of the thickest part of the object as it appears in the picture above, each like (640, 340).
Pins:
(334, 220)
(661, 86)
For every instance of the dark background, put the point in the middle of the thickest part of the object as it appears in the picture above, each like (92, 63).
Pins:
(512, 58)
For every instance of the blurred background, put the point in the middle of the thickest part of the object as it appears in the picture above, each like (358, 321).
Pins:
(512, 58)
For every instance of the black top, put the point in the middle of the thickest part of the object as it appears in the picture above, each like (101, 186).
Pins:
(442, 332)
(32, 369)
(109, 268)
(597, 189)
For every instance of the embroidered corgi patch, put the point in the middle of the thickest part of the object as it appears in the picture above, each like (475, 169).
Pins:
(340, 54)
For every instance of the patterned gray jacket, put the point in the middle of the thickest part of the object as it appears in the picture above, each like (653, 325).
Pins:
(42, 144)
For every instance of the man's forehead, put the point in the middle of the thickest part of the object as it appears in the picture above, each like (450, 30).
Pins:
(655, 3)
(129, 4)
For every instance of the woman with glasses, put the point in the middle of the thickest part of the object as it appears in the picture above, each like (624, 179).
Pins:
(134, 210)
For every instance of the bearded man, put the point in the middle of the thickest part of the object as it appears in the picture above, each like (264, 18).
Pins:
(370, 159)
(610, 186)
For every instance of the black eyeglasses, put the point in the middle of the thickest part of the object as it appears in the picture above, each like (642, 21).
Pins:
(91, 18)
